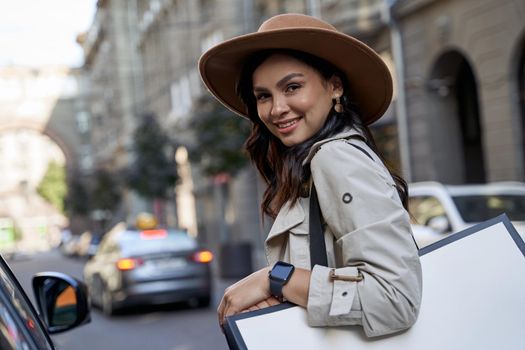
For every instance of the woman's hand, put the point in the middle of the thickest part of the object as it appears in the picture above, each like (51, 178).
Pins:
(251, 291)
(271, 301)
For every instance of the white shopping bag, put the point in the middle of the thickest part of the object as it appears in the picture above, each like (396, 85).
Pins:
(473, 298)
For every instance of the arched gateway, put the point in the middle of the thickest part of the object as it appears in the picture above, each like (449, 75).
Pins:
(37, 126)
(455, 120)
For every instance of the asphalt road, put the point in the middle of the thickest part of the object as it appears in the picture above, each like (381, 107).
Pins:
(175, 327)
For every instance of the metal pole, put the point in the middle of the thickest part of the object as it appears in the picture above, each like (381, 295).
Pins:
(248, 9)
(314, 8)
(401, 111)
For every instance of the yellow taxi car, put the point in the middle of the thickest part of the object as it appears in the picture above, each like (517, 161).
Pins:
(146, 265)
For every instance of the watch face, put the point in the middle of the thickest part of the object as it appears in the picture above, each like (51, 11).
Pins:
(281, 271)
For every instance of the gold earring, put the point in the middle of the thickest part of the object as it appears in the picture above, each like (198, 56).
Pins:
(338, 107)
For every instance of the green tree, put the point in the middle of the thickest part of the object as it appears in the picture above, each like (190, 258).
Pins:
(106, 191)
(53, 187)
(153, 170)
(77, 200)
(220, 136)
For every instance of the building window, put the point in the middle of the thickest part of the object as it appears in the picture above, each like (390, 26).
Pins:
(83, 122)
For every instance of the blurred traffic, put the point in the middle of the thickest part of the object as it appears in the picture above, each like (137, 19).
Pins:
(147, 265)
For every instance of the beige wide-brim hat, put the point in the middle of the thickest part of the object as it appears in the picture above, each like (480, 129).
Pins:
(369, 79)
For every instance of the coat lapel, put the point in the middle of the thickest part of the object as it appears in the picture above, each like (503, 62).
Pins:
(288, 218)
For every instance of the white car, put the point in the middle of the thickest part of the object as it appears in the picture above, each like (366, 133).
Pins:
(438, 210)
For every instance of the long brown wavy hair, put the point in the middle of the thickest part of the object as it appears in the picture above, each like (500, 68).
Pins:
(281, 166)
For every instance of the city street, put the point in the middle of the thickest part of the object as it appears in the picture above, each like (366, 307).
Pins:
(176, 327)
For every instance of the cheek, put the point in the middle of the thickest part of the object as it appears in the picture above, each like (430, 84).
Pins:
(321, 110)
(263, 115)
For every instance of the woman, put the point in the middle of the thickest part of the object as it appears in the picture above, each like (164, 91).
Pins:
(310, 92)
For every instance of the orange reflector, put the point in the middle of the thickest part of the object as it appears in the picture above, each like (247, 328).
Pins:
(153, 234)
(204, 256)
(126, 264)
(30, 323)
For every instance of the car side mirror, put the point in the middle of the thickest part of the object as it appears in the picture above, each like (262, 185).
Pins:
(439, 224)
(61, 300)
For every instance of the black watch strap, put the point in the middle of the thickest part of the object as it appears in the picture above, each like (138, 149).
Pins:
(276, 289)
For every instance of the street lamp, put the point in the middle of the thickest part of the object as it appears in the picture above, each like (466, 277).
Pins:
(401, 112)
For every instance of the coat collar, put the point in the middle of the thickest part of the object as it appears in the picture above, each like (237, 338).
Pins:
(342, 135)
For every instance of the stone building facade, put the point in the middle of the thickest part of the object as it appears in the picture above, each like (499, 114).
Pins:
(113, 94)
(457, 114)
(114, 71)
(464, 85)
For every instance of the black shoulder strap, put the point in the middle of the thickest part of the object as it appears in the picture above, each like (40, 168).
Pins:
(317, 243)
(359, 137)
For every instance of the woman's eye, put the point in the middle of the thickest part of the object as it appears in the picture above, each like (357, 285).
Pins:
(261, 97)
(292, 87)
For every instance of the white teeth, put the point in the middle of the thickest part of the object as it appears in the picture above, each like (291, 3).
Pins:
(285, 125)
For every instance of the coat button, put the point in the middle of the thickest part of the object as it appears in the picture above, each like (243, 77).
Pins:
(347, 198)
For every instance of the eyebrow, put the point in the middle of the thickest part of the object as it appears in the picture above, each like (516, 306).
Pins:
(282, 81)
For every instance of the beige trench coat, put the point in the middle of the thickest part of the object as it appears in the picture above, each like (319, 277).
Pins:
(367, 232)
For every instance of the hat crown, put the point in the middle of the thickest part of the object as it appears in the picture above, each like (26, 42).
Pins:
(294, 21)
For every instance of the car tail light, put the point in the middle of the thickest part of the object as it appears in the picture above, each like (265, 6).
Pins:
(203, 256)
(126, 264)
(153, 234)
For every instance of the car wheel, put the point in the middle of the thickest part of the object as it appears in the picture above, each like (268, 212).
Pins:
(204, 301)
(108, 308)
(95, 291)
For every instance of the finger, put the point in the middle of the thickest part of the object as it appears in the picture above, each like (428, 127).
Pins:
(273, 301)
(229, 311)
(262, 304)
(220, 311)
(252, 308)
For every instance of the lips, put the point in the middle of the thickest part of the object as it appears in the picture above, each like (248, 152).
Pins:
(287, 123)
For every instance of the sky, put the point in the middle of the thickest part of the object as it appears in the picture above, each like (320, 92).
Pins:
(43, 32)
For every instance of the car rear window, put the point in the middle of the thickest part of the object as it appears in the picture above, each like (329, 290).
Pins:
(483, 207)
(152, 241)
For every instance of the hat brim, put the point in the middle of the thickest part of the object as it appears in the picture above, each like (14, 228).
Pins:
(369, 79)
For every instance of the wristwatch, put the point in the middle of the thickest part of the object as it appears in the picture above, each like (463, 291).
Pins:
(279, 275)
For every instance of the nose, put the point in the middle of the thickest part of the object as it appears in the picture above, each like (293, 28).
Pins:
(279, 106)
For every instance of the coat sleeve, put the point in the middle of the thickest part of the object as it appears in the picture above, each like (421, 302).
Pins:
(361, 206)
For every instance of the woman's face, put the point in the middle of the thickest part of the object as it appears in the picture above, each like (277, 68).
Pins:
(293, 99)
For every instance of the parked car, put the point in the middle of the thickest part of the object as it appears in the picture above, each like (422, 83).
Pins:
(69, 246)
(93, 245)
(151, 266)
(439, 210)
(62, 304)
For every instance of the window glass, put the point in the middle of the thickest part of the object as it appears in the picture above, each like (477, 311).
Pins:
(10, 335)
(484, 207)
(151, 241)
(18, 321)
(424, 208)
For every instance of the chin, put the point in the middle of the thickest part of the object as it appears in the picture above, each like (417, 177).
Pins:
(290, 142)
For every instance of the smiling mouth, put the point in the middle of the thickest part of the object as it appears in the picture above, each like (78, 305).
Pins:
(288, 123)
